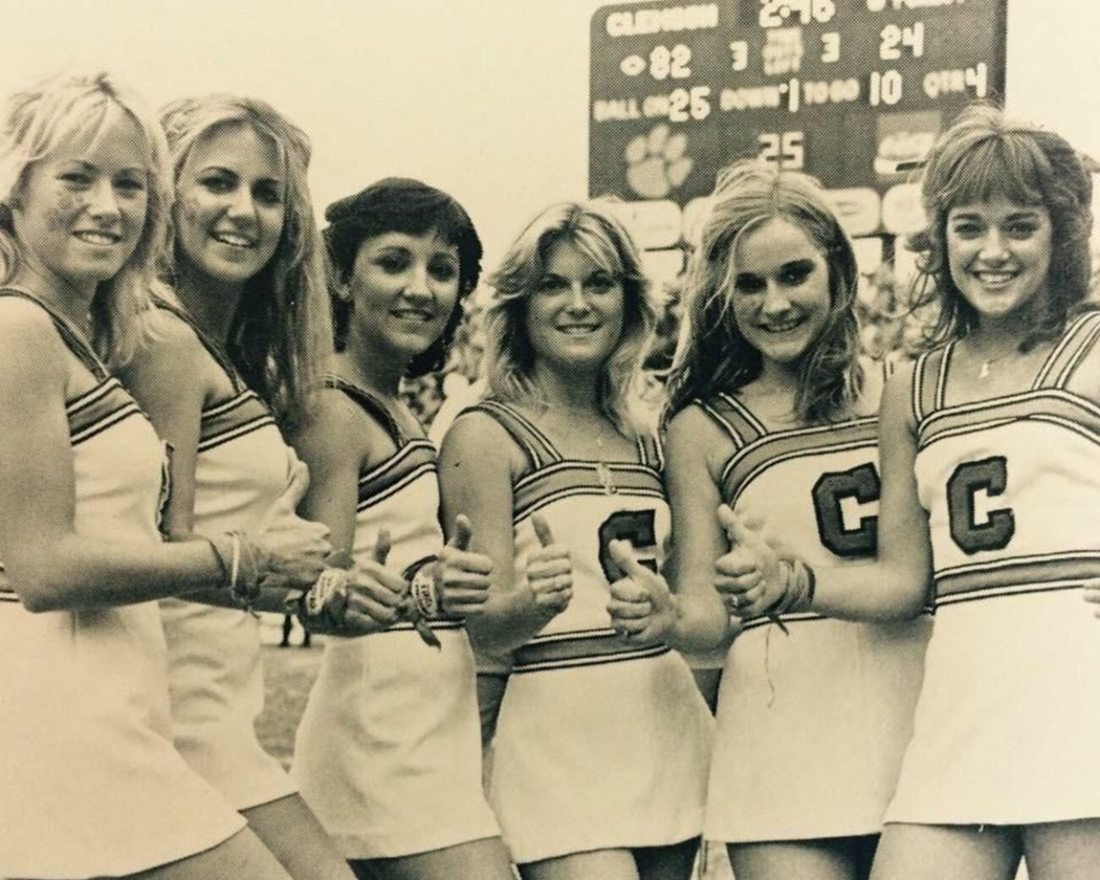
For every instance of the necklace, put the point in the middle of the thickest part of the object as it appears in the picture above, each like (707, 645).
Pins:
(603, 471)
(984, 372)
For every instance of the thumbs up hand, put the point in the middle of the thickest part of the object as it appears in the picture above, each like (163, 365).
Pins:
(549, 570)
(748, 577)
(461, 575)
(367, 598)
(642, 607)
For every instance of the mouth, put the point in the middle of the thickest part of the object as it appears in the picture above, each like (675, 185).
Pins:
(97, 237)
(233, 239)
(578, 329)
(994, 279)
(422, 315)
(778, 328)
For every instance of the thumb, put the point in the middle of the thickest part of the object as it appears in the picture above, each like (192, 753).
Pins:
(382, 546)
(738, 531)
(464, 533)
(623, 554)
(542, 530)
(296, 486)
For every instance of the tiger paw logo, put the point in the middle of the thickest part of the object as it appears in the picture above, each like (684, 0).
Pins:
(656, 162)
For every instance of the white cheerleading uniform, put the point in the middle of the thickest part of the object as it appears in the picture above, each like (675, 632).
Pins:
(1008, 720)
(600, 744)
(388, 753)
(811, 724)
(215, 675)
(92, 783)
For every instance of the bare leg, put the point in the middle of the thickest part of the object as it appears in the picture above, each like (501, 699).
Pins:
(482, 859)
(243, 855)
(601, 864)
(841, 858)
(490, 693)
(1063, 850)
(667, 862)
(941, 852)
(289, 829)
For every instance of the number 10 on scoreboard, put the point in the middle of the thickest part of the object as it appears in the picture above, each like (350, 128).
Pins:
(786, 149)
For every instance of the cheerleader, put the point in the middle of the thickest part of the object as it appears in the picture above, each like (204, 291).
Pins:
(229, 351)
(990, 494)
(601, 747)
(388, 752)
(94, 786)
(773, 413)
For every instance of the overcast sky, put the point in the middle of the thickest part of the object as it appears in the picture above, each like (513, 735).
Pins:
(485, 98)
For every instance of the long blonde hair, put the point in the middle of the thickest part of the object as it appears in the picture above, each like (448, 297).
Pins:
(713, 355)
(281, 335)
(509, 356)
(75, 108)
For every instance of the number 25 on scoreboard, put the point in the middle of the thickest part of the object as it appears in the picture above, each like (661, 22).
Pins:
(787, 150)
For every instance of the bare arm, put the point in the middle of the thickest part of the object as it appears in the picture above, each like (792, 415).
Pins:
(696, 450)
(49, 565)
(476, 463)
(335, 443)
(642, 605)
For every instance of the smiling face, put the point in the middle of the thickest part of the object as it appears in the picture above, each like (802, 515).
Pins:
(779, 291)
(81, 211)
(999, 254)
(403, 289)
(230, 203)
(574, 314)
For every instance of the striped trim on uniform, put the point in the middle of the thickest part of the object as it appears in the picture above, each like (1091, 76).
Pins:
(1052, 405)
(433, 623)
(567, 478)
(7, 594)
(748, 463)
(99, 409)
(1016, 575)
(233, 418)
(412, 461)
(792, 617)
(569, 650)
(1071, 349)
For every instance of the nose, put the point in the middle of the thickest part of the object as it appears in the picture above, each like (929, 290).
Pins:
(102, 202)
(993, 247)
(419, 282)
(242, 204)
(577, 300)
(775, 299)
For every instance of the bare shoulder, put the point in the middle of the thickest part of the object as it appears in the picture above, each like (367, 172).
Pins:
(476, 440)
(334, 428)
(29, 342)
(170, 348)
(693, 436)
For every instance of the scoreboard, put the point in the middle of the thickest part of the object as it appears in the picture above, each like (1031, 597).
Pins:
(852, 92)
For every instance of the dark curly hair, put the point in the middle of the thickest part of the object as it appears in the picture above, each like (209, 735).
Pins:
(400, 204)
(983, 156)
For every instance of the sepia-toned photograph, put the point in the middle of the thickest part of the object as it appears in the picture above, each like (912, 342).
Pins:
(550, 440)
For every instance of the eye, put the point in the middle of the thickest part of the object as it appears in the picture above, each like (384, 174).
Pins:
(442, 270)
(392, 262)
(217, 183)
(76, 179)
(748, 284)
(796, 274)
(1022, 229)
(268, 194)
(599, 282)
(131, 185)
(966, 228)
(551, 284)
